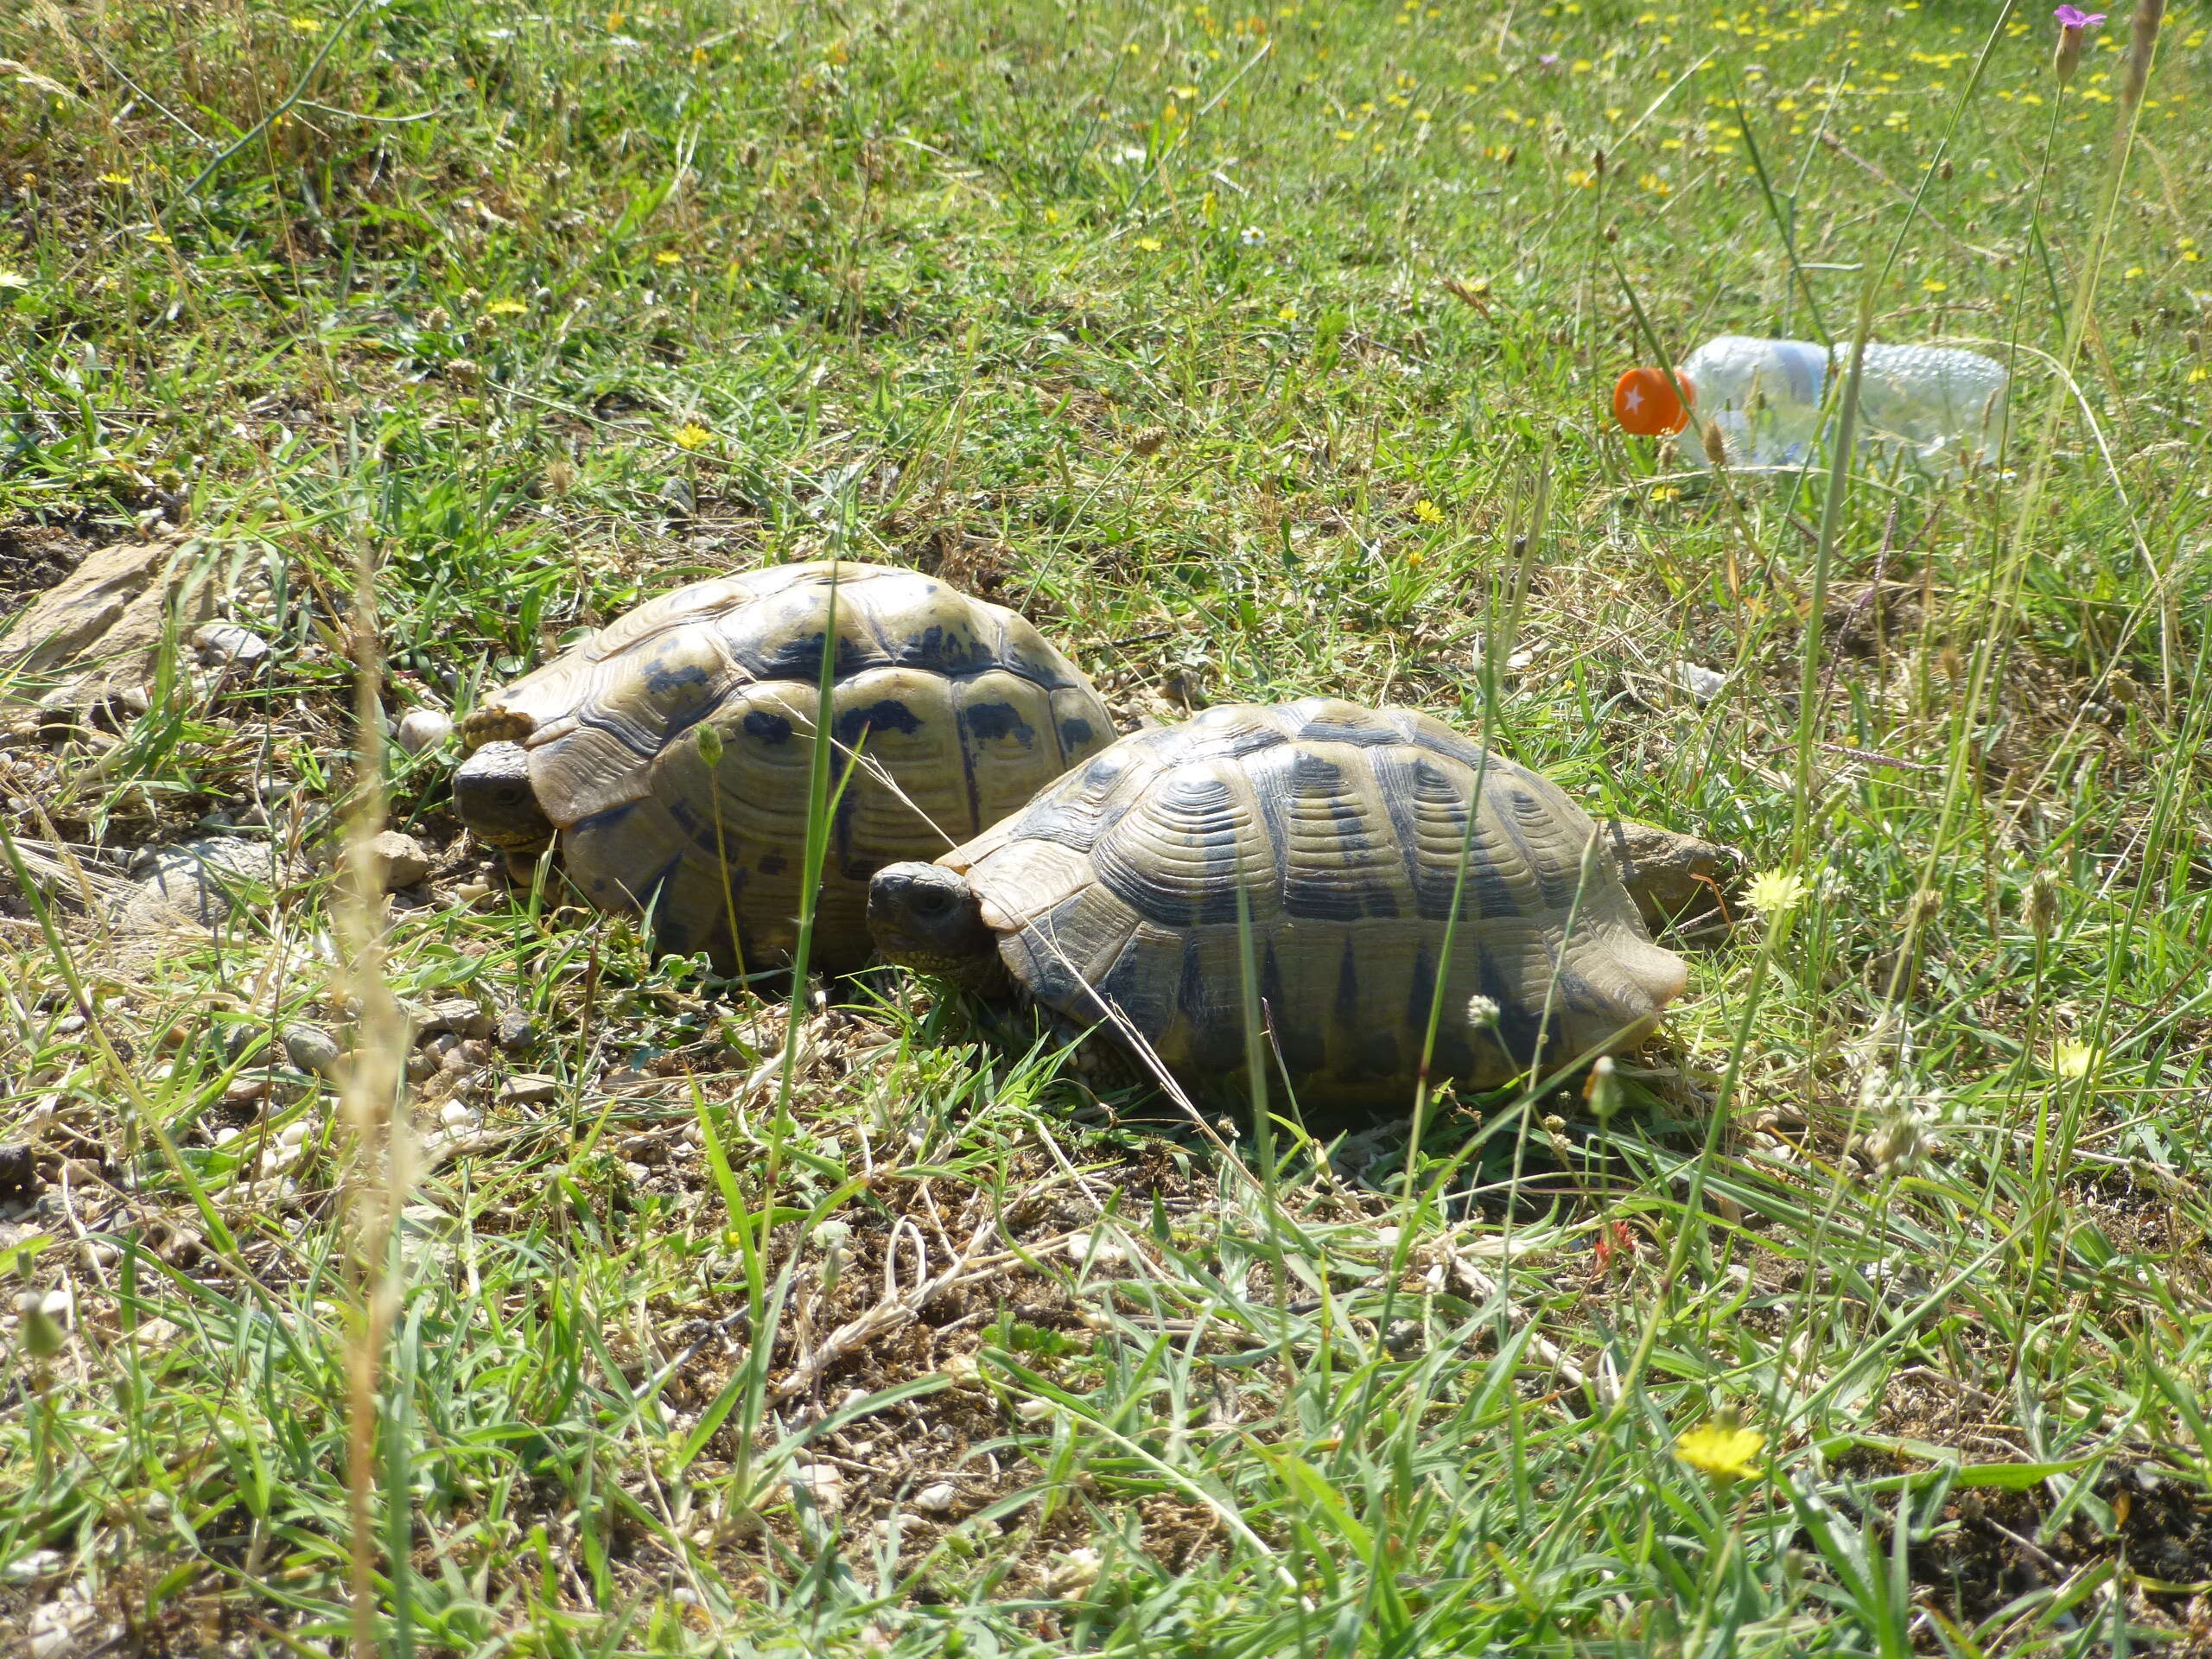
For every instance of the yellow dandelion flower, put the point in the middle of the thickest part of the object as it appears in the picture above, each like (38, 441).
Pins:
(1934, 285)
(1413, 560)
(505, 309)
(306, 25)
(1720, 1450)
(1776, 892)
(115, 181)
(2074, 1060)
(1286, 312)
(1666, 493)
(1345, 134)
(668, 256)
(692, 435)
(1428, 511)
(1149, 244)
(158, 239)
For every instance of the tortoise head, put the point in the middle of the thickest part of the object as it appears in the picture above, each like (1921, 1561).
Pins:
(492, 793)
(927, 917)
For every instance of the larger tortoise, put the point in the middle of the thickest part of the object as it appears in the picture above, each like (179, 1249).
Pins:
(957, 710)
(1114, 895)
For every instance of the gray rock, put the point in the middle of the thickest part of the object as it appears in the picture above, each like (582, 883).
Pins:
(1702, 683)
(423, 729)
(528, 1090)
(227, 644)
(206, 880)
(98, 630)
(312, 1049)
(400, 860)
(458, 1015)
(516, 1030)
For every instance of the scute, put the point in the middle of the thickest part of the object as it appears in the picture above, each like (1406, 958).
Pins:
(1346, 828)
(948, 715)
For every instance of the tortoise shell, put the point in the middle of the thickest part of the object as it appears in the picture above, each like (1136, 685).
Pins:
(957, 711)
(1342, 826)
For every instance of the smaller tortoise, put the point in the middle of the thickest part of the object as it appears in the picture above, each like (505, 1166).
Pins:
(958, 710)
(1115, 892)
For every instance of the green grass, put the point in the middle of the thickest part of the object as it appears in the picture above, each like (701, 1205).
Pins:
(1235, 350)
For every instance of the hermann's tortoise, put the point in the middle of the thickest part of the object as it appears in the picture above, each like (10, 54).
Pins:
(1115, 893)
(959, 711)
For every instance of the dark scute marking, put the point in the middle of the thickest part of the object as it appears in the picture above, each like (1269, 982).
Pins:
(948, 650)
(1453, 1056)
(769, 728)
(1330, 892)
(1519, 1017)
(1302, 1040)
(1254, 740)
(889, 714)
(1363, 734)
(1076, 732)
(1146, 998)
(992, 722)
(773, 863)
(1057, 823)
(1365, 1047)
(1215, 1013)
(663, 681)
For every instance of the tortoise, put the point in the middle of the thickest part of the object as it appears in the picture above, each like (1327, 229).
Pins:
(1115, 892)
(958, 710)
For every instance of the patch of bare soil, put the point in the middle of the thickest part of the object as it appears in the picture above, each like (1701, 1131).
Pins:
(1993, 1553)
(33, 557)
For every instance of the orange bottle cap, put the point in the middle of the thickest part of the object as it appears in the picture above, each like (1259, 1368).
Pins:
(1644, 402)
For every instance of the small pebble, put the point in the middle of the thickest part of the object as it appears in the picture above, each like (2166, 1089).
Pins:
(224, 644)
(459, 1015)
(294, 1133)
(938, 1497)
(311, 1049)
(1074, 1572)
(516, 1030)
(400, 860)
(528, 1089)
(456, 1115)
(1701, 683)
(423, 729)
(18, 1168)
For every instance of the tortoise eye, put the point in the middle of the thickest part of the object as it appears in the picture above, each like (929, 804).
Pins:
(933, 901)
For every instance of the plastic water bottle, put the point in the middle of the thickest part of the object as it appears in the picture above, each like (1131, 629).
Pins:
(1937, 404)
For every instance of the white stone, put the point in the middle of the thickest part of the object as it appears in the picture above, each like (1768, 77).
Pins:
(938, 1497)
(422, 729)
(1701, 683)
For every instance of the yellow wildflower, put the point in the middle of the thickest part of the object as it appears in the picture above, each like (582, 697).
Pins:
(1721, 1451)
(2074, 1060)
(505, 309)
(1149, 244)
(1428, 511)
(668, 256)
(306, 25)
(115, 181)
(1286, 312)
(1776, 892)
(692, 435)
